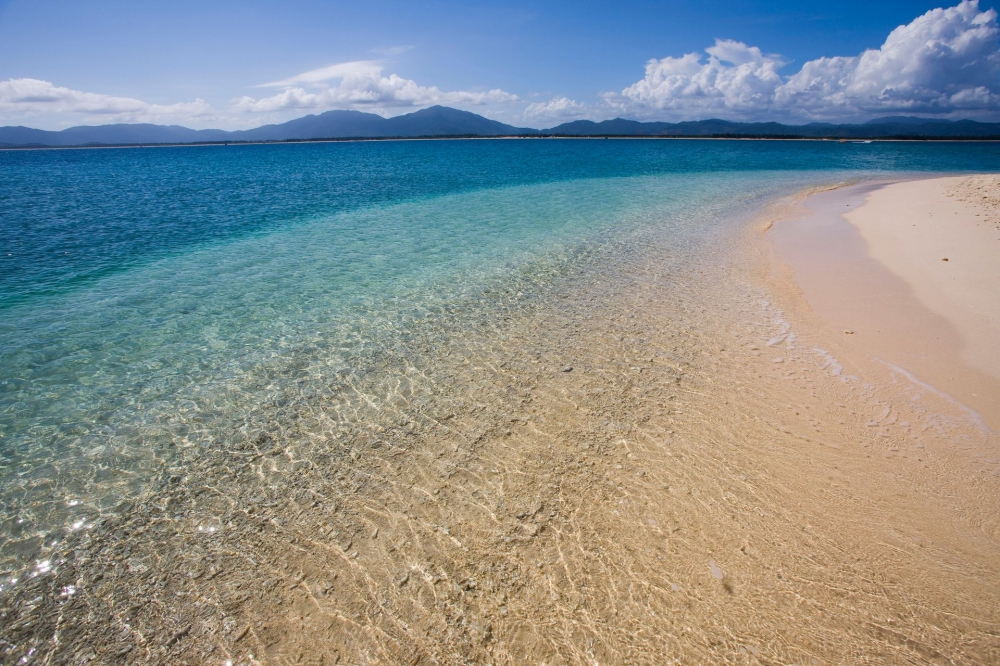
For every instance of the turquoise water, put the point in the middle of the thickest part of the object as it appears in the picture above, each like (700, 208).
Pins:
(160, 299)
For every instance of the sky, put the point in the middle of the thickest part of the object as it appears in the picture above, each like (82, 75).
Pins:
(239, 64)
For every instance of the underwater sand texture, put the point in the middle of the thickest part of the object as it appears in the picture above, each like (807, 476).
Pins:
(651, 463)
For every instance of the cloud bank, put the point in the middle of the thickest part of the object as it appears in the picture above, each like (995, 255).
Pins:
(361, 85)
(27, 97)
(945, 62)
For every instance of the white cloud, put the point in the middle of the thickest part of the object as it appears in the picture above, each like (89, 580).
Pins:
(557, 108)
(358, 84)
(29, 97)
(736, 77)
(393, 50)
(945, 62)
(361, 85)
(356, 68)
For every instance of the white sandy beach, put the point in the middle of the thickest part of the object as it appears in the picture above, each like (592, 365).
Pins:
(942, 236)
(908, 274)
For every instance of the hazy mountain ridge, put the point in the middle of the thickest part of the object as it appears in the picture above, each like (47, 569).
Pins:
(880, 128)
(433, 121)
(438, 121)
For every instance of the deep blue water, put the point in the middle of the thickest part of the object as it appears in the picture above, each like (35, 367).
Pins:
(68, 217)
(153, 298)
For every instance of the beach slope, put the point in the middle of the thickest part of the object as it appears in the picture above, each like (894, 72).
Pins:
(908, 274)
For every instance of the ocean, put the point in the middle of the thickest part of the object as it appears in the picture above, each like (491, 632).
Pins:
(160, 306)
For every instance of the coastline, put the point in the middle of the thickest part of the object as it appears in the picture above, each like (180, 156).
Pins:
(226, 144)
(658, 461)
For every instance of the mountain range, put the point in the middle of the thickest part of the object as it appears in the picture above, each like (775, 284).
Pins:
(440, 121)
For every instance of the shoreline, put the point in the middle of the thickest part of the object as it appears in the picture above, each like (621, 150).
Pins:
(653, 463)
(864, 258)
(224, 144)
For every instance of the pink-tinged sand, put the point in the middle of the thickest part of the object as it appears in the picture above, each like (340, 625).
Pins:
(912, 227)
(869, 260)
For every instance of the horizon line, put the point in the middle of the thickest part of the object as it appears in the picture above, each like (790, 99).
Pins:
(566, 122)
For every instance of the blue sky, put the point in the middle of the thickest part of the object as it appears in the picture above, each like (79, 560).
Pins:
(208, 64)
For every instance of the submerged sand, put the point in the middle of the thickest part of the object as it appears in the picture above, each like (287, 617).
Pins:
(682, 464)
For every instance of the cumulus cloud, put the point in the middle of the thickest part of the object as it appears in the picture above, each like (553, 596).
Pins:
(29, 97)
(735, 77)
(945, 62)
(361, 84)
(560, 108)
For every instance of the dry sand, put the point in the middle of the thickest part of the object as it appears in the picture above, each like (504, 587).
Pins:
(912, 228)
(914, 277)
(666, 461)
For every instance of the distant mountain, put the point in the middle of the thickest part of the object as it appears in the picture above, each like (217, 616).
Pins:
(893, 127)
(905, 120)
(107, 135)
(434, 121)
(441, 121)
(339, 124)
(622, 127)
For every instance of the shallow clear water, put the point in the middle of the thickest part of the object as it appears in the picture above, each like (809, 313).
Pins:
(156, 299)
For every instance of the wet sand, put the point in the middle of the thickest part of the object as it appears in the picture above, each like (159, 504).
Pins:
(668, 459)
